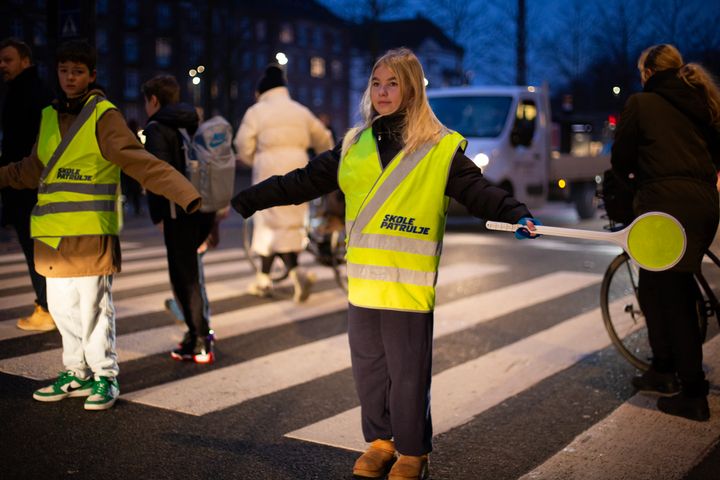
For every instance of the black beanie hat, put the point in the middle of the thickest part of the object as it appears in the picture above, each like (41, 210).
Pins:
(273, 77)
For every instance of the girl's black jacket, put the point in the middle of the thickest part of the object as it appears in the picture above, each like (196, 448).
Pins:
(466, 183)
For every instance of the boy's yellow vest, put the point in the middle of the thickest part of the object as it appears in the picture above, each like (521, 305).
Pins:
(395, 222)
(78, 193)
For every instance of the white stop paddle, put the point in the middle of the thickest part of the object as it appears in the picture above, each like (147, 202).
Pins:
(655, 240)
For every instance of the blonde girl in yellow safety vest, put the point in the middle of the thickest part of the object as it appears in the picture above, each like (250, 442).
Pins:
(398, 170)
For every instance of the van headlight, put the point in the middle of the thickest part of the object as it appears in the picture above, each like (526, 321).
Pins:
(481, 160)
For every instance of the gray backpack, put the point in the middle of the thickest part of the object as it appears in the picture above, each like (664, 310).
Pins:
(210, 162)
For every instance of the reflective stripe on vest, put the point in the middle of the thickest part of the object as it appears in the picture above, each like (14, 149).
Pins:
(79, 189)
(395, 219)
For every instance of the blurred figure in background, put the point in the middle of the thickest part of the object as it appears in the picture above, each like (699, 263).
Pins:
(25, 98)
(273, 138)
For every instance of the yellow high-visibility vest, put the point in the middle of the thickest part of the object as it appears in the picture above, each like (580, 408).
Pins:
(79, 189)
(395, 222)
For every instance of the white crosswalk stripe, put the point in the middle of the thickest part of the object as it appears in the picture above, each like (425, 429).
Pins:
(288, 368)
(660, 446)
(43, 365)
(460, 393)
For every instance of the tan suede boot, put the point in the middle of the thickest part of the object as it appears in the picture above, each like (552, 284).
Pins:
(40, 321)
(408, 467)
(302, 283)
(376, 460)
(262, 286)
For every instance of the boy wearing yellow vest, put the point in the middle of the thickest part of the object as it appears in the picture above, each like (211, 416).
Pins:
(398, 170)
(82, 146)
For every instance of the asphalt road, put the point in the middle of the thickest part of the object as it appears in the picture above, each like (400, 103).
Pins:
(525, 381)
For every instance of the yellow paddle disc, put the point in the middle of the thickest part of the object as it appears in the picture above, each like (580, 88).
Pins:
(656, 241)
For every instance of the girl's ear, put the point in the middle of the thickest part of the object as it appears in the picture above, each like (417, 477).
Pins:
(646, 73)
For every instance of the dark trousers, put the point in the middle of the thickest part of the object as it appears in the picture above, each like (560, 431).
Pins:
(290, 260)
(668, 299)
(22, 229)
(183, 235)
(392, 365)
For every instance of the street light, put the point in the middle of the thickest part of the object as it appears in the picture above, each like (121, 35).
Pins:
(281, 58)
(616, 90)
(194, 74)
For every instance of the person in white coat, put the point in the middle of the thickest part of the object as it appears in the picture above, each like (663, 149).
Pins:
(274, 137)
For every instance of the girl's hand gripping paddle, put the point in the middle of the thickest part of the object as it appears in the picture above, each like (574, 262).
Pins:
(655, 240)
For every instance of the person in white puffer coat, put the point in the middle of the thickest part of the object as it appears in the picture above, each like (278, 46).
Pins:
(274, 137)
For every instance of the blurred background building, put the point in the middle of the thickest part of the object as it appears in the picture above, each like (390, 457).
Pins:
(217, 49)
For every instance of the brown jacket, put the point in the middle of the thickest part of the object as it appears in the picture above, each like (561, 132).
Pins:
(100, 254)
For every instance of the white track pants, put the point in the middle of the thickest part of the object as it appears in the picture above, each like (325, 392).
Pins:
(84, 314)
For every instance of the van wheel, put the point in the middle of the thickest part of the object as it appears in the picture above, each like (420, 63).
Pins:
(582, 195)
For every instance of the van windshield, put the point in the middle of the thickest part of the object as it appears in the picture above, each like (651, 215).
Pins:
(473, 116)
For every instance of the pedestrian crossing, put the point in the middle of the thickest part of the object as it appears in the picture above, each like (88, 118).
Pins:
(461, 392)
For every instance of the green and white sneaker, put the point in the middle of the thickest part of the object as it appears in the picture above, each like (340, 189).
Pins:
(104, 393)
(66, 385)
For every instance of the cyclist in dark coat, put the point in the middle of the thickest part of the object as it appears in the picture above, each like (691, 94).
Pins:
(668, 146)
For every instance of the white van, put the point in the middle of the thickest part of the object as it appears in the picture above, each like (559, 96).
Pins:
(509, 133)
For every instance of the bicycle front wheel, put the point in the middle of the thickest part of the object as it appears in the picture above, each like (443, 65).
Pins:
(624, 321)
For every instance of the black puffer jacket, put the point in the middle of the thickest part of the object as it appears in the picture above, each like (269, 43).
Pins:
(25, 97)
(666, 140)
(465, 183)
(164, 141)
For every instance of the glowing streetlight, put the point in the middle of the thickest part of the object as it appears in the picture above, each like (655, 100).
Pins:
(281, 58)
(616, 90)
(192, 72)
(196, 80)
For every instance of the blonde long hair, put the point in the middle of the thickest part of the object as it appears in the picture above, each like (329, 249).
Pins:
(420, 124)
(665, 56)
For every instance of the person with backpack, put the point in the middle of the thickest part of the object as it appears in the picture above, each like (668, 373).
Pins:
(274, 137)
(212, 170)
(183, 233)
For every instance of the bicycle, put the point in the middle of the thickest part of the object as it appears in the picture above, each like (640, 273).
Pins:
(326, 242)
(622, 316)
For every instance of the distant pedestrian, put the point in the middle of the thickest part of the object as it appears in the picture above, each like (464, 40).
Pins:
(83, 144)
(667, 146)
(25, 97)
(183, 232)
(273, 138)
(398, 170)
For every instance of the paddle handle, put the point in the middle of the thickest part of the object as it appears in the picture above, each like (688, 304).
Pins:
(614, 237)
